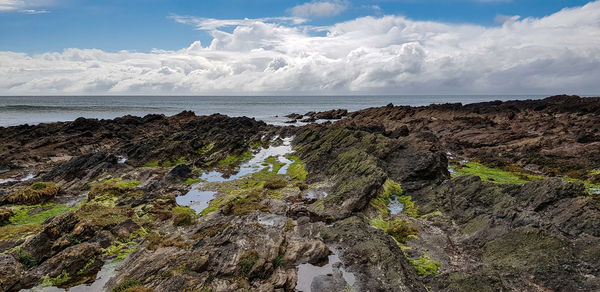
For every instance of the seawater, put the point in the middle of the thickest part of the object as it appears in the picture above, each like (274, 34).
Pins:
(18, 110)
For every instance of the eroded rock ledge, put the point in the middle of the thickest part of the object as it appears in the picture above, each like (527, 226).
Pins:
(499, 196)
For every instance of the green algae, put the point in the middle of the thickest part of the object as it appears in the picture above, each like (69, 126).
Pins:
(166, 163)
(425, 266)
(234, 160)
(126, 285)
(247, 261)
(590, 188)
(121, 249)
(183, 215)
(58, 281)
(152, 164)
(36, 193)
(392, 190)
(276, 165)
(128, 184)
(255, 145)
(381, 202)
(190, 181)
(494, 175)
(242, 205)
(397, 228)
(26, 259)
(296, 170)
(205, 149)
(87, 266)
(21, 213)
(103, 214)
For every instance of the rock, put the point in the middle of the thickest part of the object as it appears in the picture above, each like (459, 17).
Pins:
(398, 132)
(178, 173)
(543, 193)
(11, 272)
(87, 165)
(104, 238)
(588, 138)
(294, 116)
(331, 115)
(310, 119)
(381, 262)
(125, 229)
(41, 246)
(76, 261)
(5, 214)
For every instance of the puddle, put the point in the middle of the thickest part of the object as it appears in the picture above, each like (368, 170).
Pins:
(595, 191)
(315, 194)
(330, 277)
(12, 179)
(451, 170)
(122, 159)
(271, 220)
(105, 274)
(71, 201)
(198, 199)
(395, 206)
(283, 169)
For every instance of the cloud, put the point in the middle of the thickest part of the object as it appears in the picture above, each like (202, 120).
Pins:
(23, 6)
(559, 53)
(319, 8)
(202, 23)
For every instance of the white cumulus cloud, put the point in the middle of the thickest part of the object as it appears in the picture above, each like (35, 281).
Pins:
(386, 55)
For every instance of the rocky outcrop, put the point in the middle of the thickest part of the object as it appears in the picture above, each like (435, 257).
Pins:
(120, 181)
(526, 233)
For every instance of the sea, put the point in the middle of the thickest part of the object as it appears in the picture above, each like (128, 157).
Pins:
(32, 110)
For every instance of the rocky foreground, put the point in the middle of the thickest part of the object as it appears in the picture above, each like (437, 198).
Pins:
(500, 196)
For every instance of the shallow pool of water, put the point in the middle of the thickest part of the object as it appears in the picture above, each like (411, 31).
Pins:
(395, 206)
(13, 179)
(315, 194)
(196, 199)
(330, 277)
(122, 159)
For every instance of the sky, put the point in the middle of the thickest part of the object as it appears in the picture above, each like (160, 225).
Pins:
(299, 47)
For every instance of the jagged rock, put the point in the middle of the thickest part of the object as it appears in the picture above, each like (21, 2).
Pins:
(381, 262)
(11, 272)
(41, 246)
(294, 116)
(75, 261)
(5, 214)
(178, 173)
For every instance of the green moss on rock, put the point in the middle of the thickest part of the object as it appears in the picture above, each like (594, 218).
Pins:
(247, 262)
(36, 193)
(183, 215)
(296, 170)
(495, 175)
(425, 266)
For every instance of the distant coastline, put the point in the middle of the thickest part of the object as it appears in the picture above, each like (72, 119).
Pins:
(32, 110)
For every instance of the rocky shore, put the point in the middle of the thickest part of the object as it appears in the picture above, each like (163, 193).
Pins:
(497, 196)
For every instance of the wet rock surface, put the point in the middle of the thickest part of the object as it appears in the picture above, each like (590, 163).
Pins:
(365, 203)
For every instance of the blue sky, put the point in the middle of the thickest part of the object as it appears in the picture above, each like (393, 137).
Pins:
(299, 47)
(141, 25)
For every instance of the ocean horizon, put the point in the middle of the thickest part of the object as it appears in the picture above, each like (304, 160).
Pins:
(32, 110)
